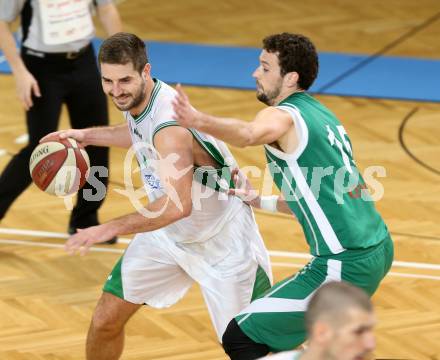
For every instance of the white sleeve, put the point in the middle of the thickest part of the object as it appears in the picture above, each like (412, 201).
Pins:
(10, 9)
(163, 116)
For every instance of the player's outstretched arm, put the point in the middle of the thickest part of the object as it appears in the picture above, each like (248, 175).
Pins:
(118, 136)
(174, 145)
(268, 126)
(245, 191)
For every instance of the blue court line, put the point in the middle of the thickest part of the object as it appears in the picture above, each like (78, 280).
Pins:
(386, 77)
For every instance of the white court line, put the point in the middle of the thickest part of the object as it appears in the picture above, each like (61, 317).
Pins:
(294, 255)
(415, 265)
(288, 254)
(3, 152)
(120, 251)
(57, 246)
(414, 276)
(406, 275)
(46, 234)
(22, 139)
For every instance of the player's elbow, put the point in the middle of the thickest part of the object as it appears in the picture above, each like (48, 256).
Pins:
(246, 137)
(187, 209)
(182, 210)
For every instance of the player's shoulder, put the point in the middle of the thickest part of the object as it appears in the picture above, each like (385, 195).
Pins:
(162, 108)
(163, 92)
(162, 114)
(160, 105)
(274, 115)
(271, 111)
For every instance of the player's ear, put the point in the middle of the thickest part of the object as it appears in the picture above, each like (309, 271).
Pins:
(321, 332)
(291, 79)
(146, 71)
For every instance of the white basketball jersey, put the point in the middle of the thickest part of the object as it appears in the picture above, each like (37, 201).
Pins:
(212, 207)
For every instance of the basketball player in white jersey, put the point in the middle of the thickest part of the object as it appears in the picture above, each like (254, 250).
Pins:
(182, 235)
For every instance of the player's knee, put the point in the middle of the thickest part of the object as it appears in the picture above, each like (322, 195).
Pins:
(104, 322)
(239, 346)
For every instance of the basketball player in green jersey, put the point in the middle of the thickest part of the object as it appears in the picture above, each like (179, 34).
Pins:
(310, 158)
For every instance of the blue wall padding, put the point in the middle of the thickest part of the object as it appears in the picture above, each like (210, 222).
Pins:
(231, 67)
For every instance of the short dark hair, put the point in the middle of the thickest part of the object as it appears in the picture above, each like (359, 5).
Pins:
(333, 300)
(123, 48)
(295, 53)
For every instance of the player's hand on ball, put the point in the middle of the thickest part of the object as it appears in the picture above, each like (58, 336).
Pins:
(77, 134)
(82, 240)
(184, 113)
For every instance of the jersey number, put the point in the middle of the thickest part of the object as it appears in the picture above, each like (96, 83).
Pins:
(344, 146)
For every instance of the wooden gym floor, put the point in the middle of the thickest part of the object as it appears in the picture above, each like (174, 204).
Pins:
(47, 297)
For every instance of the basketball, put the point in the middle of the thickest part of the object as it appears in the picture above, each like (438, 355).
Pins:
(59, 167)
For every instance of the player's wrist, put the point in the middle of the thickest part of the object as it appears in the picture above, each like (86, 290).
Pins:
(269, 203)
(88, 136)
(198, 120)
(255, 202)
(109, 230)
(19, 69)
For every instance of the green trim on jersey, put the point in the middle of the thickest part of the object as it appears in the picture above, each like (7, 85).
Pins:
(163, 125)
(261, 285)
(137, 119)
(211, 149)
(216, 179)
(321, 183)
(210, 176)
(113, 284)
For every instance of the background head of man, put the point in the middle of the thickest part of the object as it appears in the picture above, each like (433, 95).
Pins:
(288, 63)
(340, 323)
(125, 70)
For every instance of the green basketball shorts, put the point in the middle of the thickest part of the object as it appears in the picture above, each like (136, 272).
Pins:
(277, 317)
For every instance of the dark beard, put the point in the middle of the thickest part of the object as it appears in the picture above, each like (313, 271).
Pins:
(263, 98)
(268, 98)
(137, 100)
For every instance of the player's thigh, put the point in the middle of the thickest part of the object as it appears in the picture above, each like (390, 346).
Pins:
(147, 274)
(368, 270)
(225, 299)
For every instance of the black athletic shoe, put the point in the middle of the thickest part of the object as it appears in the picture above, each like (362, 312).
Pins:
(72, 230)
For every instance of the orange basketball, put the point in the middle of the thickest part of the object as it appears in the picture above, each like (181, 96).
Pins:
(59, 167)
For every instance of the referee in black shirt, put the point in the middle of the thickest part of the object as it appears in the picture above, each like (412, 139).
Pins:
(56, 66)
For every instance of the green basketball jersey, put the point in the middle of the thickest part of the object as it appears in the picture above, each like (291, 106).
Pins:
(321, 182)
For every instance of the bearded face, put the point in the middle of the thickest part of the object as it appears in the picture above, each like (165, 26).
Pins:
(268, 78)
